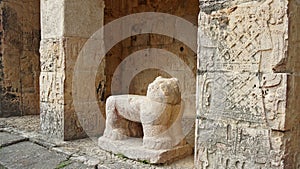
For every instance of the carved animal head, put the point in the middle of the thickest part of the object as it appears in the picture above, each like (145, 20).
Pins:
(164, 90)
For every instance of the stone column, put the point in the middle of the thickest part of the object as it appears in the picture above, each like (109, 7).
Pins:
(66, 26)
(248, 84)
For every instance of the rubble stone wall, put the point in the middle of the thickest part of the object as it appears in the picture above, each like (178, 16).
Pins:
(19, 57)
(248, 79)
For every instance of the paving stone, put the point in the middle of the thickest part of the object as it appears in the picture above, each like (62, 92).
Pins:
(29, 155)
(2, 123)
(118, 165)
(2, 167)
(9, 139)
(77, 165)
(84, 153)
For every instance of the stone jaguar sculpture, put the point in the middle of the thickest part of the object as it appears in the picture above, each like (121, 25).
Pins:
(156, 116)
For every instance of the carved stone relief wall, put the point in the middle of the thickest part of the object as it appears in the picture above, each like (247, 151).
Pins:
(244, 95)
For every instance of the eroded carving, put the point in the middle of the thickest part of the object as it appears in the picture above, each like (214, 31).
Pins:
(274, 92)
(224, 145)
(242, 95)
(232, 96)
(244, 36)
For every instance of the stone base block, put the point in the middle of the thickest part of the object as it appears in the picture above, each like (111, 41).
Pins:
(133, 149)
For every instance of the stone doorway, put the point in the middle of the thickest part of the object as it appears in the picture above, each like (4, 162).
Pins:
(124, 49)
(60, 49)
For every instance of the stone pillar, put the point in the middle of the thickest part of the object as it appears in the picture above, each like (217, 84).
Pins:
(248, 84)
(66, 26)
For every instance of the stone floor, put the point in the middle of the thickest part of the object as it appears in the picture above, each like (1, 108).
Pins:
(22, 146)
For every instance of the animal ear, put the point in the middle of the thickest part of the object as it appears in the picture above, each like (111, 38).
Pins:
(175, 79)
(157, 78)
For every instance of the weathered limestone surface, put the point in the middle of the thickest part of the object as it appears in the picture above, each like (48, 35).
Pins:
(116, 9)
(248, 108)
(19, 59)
(7, 139)
(133, 148)
(66, 26)
(155, 118)
(83, 153)
(30, 155)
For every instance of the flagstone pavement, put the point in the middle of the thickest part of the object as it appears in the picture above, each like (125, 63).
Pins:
(22, 146)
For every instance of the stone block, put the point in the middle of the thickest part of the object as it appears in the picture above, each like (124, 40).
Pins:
(84, 120)
(30, 102)
(133, 149)
(72, 46)
(160, 40)
(51, 87)
(52, 22)
(259, 99)
(222, 144)
(72, 126)
(29, 155)
(9, 139)
(234, 96)
(82, 20)
(140, 40)
(52, 56)
(86, 92)
(52, 119)
(246, 37)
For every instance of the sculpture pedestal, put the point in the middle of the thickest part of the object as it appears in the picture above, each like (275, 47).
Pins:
(133, 149)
